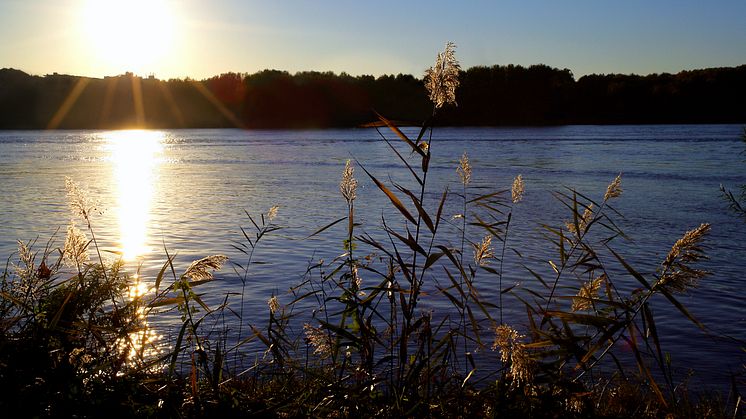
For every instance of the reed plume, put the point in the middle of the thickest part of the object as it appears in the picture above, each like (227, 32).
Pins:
(272, 213)
(464, 169)
(614, 189)
(483, 251)
(348, 185)
(273, 304)
(587, 292)
(78, 199)
(75, 251)
(201, 270)
(516, 191)
(25, 267)
(441, 80)
(583, 221)
(514, 351)
(319, 340)
(676, 273)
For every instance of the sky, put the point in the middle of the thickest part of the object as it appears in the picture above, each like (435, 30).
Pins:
(200, 39)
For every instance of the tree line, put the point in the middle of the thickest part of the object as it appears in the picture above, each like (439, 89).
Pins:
(488, 96)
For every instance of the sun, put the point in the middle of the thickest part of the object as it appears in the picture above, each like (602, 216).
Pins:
(130, 35)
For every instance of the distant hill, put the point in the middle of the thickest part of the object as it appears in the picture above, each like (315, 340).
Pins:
(496, 95)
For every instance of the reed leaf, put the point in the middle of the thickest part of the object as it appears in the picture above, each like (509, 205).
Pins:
(246, 235)
(393, 198)
(440, 209)
(630, 269)
(406, 163)
(176, 350)
(432, 258)
(400, 134)
(680, 307)
(410, 241)
(322, 229)
(166, 301)
(423, 214)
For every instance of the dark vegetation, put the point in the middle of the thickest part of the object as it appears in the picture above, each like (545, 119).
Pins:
(497, 95)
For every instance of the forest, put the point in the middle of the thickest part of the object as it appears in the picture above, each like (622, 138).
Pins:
(496, 95)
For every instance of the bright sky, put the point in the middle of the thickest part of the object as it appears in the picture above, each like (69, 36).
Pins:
(200, 39)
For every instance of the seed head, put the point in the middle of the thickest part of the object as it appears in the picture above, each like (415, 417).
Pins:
(441, 80)
(614, 189)
(504, 336)
(272, 213)
(483, 251)
(464, 169)
(202, 269)
(25, 268)
(583, 221)
(273, 304)
(676, 273)
(78, 199)
(348, 185)
(514, 351)
(76, 246)
(587, 292)
(516, 192)
(320, 341)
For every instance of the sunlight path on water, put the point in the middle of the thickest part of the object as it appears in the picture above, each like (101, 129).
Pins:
(136, 156)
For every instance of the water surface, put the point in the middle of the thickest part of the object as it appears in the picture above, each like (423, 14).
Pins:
(187, 190)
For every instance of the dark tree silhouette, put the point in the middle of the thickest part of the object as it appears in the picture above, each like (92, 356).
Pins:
(496, 95)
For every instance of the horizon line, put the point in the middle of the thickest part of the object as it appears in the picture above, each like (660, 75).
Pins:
(152, 75)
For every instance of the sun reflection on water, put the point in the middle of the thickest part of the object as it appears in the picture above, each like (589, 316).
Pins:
(136, 155)
(143, 343)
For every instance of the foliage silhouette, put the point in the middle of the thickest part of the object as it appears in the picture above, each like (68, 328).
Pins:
(488, 96)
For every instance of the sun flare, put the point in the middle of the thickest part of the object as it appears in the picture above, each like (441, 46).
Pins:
(132, 35)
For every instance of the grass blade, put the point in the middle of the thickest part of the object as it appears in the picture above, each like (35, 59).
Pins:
(400, 134)
(393, 198)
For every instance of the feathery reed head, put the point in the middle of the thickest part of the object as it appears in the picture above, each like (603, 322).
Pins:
(504, 336)
(614, 189)
(25, 269)
(320, 341)
(202, 269)
(513, 350)
(676, 273)
(464, 169)
(348, 185)
(441, 80)
(75, 251)
(78, 199)
(516, 191)
(483, 251)
(583, 221)
(587, 292)
(273, 304)
(272, 213)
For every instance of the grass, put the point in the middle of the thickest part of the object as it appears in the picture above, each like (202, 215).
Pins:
(354, 339)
